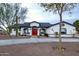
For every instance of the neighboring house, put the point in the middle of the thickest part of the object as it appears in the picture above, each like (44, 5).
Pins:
(41, 29)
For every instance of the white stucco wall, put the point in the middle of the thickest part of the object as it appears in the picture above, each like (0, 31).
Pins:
(30, 31)
(38, 31)
(34, 24)
(21, 32)
(70, 29)
(13, 32)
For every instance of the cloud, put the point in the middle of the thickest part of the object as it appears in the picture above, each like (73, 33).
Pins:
(35, 13)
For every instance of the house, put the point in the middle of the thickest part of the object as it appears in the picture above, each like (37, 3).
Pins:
(67, 29)
(41, 29)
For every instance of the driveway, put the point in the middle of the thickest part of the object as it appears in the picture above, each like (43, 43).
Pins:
(35, 40)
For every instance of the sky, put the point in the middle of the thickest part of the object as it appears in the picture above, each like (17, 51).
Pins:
(37, 13)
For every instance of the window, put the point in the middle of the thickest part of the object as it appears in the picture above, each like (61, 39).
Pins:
(19, 29)
(26, 31)
(62, 24)
(42, 31)
(63, 30)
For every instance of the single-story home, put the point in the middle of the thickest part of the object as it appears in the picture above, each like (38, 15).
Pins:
(40, 29)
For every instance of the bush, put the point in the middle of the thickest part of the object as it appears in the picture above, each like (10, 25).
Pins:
(56, 33)
(46, 35)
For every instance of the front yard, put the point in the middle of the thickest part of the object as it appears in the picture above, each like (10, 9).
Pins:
(39, 49)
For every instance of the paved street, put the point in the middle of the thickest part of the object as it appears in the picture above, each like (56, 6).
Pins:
(35, 40)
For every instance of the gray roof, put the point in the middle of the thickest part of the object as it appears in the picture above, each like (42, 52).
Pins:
(45, 25)
(62, 22)
(27, 25)
(41, 25)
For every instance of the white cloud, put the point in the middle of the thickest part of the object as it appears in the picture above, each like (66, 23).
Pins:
(35, 13)
(33, 16)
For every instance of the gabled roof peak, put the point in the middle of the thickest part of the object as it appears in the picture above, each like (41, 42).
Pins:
(34, 21)
(63, 22)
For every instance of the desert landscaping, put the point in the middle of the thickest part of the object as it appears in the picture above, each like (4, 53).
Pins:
(39, 49)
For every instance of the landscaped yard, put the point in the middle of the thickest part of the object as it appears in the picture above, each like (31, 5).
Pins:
(39, 49)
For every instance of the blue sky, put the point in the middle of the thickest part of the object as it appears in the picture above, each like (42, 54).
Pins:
(37, 13)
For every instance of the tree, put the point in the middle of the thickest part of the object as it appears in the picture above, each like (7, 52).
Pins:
(20, 13)
(6, 13)
(76, 24)
(10, 14)
(58, 8)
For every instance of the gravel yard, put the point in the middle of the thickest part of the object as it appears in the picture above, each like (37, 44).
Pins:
(39, 49)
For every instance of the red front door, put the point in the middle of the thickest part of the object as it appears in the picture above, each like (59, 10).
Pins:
(34, 31)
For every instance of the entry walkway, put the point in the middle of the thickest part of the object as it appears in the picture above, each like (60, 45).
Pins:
(35, 40)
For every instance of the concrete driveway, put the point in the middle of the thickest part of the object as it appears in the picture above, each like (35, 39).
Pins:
(35, 40)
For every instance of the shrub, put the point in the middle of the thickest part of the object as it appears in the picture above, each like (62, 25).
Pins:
(46, 35)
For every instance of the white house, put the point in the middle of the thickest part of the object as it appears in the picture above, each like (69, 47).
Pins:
(40, 29)
(67, 30)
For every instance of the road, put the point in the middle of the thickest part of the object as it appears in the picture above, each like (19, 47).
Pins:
(35, 40)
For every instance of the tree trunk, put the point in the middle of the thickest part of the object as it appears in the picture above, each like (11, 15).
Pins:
(16, 26)
(60, 39)
(9, 31)
(60, 25)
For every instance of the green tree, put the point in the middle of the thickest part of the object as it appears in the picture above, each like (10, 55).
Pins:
(10, 14)
(76, 24)
(20, 13)
(5, 13)
(58, 8)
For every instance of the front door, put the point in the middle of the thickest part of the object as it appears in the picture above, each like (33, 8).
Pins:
(34, 31)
